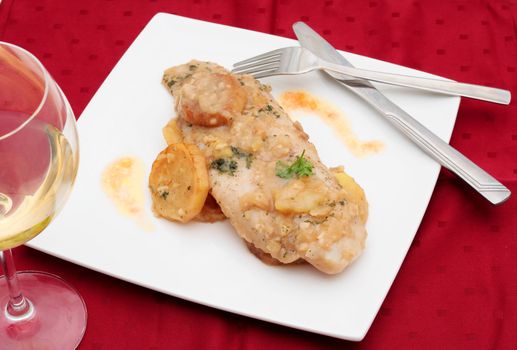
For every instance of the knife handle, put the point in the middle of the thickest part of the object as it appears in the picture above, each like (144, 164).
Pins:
(449, 157)
(479, 92)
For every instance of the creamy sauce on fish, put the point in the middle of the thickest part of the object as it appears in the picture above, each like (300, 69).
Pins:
(265, 174)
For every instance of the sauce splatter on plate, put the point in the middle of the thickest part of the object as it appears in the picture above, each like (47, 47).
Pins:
(123, 182)
(302, 100)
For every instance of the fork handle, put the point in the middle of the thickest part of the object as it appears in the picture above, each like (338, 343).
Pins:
(441, 86)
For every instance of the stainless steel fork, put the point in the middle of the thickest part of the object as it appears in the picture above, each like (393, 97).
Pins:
(297, 60)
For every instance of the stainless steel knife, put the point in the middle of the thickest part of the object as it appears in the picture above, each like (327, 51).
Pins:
(438, 149)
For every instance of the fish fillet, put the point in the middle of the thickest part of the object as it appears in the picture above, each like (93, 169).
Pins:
(244, 134)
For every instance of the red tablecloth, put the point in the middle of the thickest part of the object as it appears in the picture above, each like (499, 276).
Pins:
(457, 288)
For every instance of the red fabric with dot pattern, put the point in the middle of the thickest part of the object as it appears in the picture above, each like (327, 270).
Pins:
(457, 288)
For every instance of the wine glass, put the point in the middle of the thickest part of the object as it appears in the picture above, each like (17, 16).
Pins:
(39, 156)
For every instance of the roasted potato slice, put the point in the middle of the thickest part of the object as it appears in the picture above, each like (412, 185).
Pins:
(353, 192)
(211, 211)
(300, 196)
(179, 182)
(211, 100)
(172, 133)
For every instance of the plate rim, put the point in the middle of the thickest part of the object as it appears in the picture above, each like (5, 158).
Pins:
(352, 336)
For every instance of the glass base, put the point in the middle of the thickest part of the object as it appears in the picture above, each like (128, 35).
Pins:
(58, 318)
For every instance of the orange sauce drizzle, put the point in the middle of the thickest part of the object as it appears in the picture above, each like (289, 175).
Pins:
(302, 100)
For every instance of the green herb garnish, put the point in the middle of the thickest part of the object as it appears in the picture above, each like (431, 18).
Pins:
(263, 87)
(171, 82)
(267, 108)
(315, 222)
(164, 195)
(300, 167)
(241, 154)
(225, 165)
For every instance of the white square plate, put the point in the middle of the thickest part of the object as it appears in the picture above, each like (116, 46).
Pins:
(208, 263)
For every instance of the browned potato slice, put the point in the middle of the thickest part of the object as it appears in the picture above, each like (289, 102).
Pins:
(300, 196)
(172, 133)
(353, 192)
(211, 100)
(211, 211)
(179, 182)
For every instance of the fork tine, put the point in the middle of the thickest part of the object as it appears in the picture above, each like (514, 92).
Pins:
(257, 69)
(265, 74)
(258, 64)
(259, 57)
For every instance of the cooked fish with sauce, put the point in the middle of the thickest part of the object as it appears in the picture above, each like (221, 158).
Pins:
(263, 171)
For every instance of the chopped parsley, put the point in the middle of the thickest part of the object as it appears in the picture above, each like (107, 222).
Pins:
(300, 167)
(315, 222)
(225, 165)
(267, 108)
(164, 195)
(311, 222)
(171, 82)
(241, 154)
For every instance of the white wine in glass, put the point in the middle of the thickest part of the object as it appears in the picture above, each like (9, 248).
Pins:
(39, 156)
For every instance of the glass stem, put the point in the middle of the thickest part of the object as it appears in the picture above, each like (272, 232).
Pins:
(18, 307)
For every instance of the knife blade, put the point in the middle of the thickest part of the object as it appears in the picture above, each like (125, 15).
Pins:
(435, 147)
